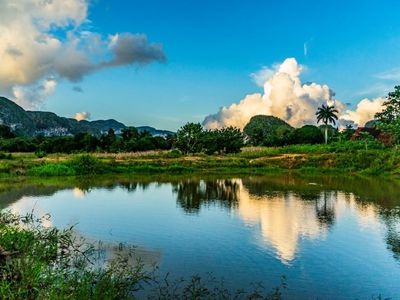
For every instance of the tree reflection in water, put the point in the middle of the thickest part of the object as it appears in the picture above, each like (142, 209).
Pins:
(193, 194)
(285, 207)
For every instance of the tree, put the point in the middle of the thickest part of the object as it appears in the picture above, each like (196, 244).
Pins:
(366, 137)
(308, 134)
(108, 140)
(5, 132)
(389, 118)
(189, 138)
(225, 140)
(348, 132)
(230, 139)
(391, 111)
(129, 133)
(326, 114)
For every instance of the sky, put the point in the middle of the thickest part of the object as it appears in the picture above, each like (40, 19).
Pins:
(164, 63)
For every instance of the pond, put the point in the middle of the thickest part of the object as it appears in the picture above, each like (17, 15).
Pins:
(331, 237)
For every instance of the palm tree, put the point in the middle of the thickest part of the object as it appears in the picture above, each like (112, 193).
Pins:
(326, 114)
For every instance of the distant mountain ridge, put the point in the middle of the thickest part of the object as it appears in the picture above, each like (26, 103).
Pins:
(33, 123)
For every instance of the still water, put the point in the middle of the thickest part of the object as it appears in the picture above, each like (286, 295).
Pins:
(332, 238)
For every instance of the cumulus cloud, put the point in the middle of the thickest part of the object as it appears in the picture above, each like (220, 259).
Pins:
(365, 111)
(32, 96)
(261, 76)
(47, 39)
(286, 97)
(79, 116)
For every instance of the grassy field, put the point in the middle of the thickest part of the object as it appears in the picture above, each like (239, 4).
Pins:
(333, 158)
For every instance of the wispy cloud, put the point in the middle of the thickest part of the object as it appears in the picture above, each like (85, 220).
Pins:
(390, 75)
(379, 89)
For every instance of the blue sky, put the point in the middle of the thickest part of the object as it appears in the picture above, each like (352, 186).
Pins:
(212, 47)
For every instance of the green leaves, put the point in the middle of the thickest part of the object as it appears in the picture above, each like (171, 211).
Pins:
(267, 131)
(391, 112)
(327, 114)
(192, 138)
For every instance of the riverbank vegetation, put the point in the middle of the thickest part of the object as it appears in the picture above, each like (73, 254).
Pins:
(343, 158)
(38, 261)
(267, 144)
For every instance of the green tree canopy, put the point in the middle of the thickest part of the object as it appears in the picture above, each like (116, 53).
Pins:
(189, 138)
(391, 111)
(389, 118)
(308, 134)
(266, 130)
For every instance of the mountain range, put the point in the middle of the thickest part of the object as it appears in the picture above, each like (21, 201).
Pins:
(31, 123)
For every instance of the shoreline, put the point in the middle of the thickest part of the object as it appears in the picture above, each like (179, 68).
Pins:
(251, 161)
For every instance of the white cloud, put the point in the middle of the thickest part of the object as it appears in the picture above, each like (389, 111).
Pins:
(30, 51)
(79, 116)
(262, 76)
(286, 97)
(32, 96)
(365, 111)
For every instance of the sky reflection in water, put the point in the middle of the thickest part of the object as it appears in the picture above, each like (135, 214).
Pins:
(325, 237)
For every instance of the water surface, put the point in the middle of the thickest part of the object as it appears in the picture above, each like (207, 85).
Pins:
(327, 236)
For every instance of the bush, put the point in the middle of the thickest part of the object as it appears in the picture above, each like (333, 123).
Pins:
(308, 134)
(174, 154)
(86, 165)
(40, 153)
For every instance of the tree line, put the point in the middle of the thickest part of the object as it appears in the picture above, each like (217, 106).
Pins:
(261, 130)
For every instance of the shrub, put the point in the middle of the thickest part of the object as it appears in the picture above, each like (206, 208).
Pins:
(308, 134)
(40, 153)
(86, 165)
(174, 154)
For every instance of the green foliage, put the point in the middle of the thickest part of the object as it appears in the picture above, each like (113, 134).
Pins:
(393, 129)
(174, 154)
(267, 131)
(189, 138)
(86, 165)
(41, 262)
(308, 134)
(5, 132)
(366, 138)
(225, 140)
(46, 263)
(52, 170)
(192, 138)
(347, 133)
(389, 118)
(129, 133)
(40, 153)
(391, 111)
(327, 115)
(5, 156)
